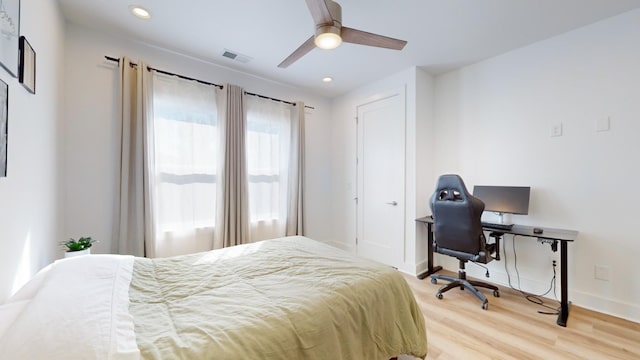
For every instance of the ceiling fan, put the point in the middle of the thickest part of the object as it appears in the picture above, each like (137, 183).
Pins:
(327, 15)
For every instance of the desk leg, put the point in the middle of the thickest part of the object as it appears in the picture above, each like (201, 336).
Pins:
(430, 268)
(564, 302)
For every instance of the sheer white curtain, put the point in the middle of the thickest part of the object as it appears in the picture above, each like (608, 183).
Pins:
(187, 144)
(268, 165)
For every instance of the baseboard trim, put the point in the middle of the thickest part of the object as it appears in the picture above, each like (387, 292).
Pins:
(343, 246)
(604, 305)
(421, 267)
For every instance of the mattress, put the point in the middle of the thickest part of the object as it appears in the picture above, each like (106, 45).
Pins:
(287, 298)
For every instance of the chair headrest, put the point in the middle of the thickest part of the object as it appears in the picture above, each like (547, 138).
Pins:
(450, 187)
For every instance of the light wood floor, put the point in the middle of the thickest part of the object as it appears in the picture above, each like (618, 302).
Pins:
(512, 328)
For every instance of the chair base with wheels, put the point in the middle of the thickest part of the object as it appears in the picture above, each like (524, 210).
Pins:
(462, 282)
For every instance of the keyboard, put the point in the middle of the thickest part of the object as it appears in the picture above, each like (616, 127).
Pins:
(497, 226)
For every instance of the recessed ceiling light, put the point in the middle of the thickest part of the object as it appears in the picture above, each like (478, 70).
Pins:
(140, 12)
(327, 79)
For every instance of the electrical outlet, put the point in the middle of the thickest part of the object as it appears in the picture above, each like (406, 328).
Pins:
(602, 272)
(556, 129)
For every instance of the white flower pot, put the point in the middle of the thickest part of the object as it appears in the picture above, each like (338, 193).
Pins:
(69, 254)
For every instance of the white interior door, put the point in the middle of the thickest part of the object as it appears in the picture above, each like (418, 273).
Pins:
(381, 174)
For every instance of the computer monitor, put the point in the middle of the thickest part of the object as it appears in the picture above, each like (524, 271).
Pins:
(504, 199)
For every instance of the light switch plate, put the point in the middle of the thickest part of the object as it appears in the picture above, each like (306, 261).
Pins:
(602, 272)
(603, 124)
(556, 129)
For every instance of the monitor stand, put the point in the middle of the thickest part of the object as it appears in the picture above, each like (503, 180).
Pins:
(502, 219)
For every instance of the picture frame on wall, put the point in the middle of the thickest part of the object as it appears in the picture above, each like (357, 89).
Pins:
(27, 70)
(10, 34)
(4, 114)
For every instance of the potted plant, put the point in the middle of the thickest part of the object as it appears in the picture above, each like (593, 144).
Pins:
(82, 246)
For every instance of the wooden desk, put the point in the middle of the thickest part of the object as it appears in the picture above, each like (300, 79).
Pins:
(552, 235)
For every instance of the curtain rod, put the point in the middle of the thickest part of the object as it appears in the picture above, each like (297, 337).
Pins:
(168, 73)
(206, 82)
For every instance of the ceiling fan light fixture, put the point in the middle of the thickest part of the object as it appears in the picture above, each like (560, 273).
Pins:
(327, 17)
(328, 37)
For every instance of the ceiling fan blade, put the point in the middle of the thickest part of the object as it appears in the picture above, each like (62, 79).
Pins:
(298, 53)
(355, 36)
(320, 12)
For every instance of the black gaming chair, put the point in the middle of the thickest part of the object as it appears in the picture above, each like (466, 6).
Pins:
(458, 233)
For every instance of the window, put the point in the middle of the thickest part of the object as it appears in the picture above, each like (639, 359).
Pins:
(186, 161)
(186, 154)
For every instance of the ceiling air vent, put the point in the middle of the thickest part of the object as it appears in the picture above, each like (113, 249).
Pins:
(230, 55)
(235, 56)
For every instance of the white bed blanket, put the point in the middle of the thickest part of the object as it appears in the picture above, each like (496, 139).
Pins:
(78, 310)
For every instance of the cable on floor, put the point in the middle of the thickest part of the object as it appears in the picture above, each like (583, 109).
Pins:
(534, 298)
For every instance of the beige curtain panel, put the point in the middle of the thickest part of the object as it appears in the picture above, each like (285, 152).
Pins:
(295, 223)
(133, 220)
(233, 225)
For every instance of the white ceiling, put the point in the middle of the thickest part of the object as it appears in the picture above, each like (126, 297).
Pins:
(442, 34)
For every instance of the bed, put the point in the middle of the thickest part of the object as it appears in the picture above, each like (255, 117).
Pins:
(287, 298)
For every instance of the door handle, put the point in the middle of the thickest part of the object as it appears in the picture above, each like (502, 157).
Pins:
(393, 203)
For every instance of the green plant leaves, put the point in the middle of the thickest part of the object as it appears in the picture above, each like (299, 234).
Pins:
(80, 244)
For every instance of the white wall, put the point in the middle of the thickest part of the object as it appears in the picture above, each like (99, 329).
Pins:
(91, 147)
(31, 211)
(424, 163)
(418, 88)
(493, 122)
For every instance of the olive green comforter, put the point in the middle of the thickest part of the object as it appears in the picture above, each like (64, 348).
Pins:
(288, 298)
